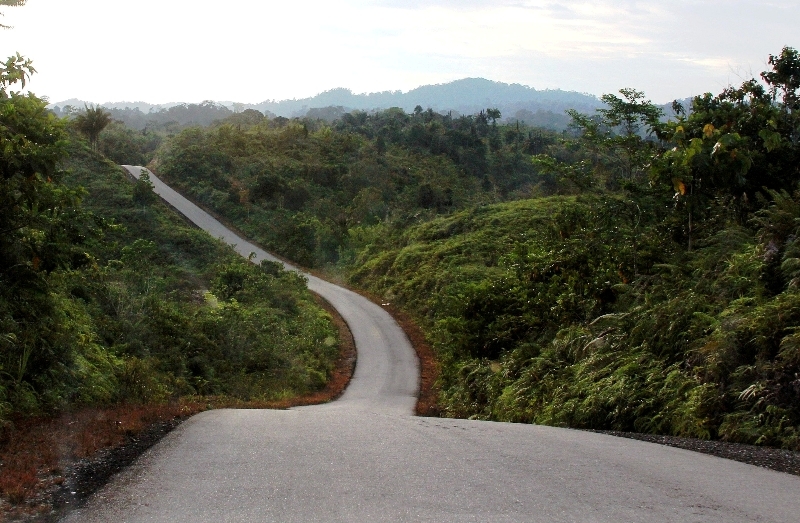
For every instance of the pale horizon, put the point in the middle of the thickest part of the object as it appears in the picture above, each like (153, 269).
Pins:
(176, 51)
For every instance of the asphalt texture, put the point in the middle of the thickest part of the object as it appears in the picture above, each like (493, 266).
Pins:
(365, 457)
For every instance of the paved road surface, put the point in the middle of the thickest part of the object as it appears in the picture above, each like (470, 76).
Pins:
(365, 458)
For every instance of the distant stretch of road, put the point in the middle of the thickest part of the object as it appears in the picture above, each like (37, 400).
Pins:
(366, 458)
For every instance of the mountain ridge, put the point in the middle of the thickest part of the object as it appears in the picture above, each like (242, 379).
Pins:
(464, 96)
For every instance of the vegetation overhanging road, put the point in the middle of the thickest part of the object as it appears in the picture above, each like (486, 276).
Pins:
(365, 457)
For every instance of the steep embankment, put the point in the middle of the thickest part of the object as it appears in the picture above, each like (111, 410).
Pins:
(581, 312)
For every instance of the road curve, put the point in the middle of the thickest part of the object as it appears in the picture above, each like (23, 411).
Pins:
(386, 377)
(365, 458)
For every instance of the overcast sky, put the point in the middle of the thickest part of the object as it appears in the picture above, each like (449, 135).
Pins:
(250, 51)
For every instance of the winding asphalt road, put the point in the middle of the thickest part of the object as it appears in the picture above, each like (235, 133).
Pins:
(366, 458)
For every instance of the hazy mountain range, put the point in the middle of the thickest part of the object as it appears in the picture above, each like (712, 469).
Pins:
(466, 96)
(463, 96)
(541, 108)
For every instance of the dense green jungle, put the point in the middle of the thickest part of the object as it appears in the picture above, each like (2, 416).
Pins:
(635, 273)
(109, 297)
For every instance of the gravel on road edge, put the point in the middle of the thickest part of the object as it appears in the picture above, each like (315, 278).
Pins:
(770, 458)
(88, 475)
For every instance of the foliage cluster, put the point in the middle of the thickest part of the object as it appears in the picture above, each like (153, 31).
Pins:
(125, 146)
(300, 187)
(91, 122)
(111, 137)
(107, 296)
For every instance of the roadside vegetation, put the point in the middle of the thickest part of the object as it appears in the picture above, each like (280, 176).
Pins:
(114, 309)
(635, 273)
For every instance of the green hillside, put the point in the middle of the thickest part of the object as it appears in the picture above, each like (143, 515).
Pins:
(576, 312)
(107, 296)
(632, 273)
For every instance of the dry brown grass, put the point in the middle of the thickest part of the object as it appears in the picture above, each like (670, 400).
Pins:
(36, 451)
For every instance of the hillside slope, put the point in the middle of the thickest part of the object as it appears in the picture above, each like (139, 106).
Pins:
(579, 312)
(144, 308)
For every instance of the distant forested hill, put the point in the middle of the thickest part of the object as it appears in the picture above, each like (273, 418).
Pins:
(466, 96)
(543, 108)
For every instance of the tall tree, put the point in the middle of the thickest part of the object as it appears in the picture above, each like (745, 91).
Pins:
(618, 134)
(91, 123)
(40, 231)
(734, 145)
(784, 82)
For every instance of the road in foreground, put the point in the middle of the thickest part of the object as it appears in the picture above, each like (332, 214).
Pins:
(365, 458)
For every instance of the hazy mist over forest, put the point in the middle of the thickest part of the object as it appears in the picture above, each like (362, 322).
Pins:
(544, 108)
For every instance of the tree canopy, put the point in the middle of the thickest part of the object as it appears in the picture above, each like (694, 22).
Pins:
(91, 122)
